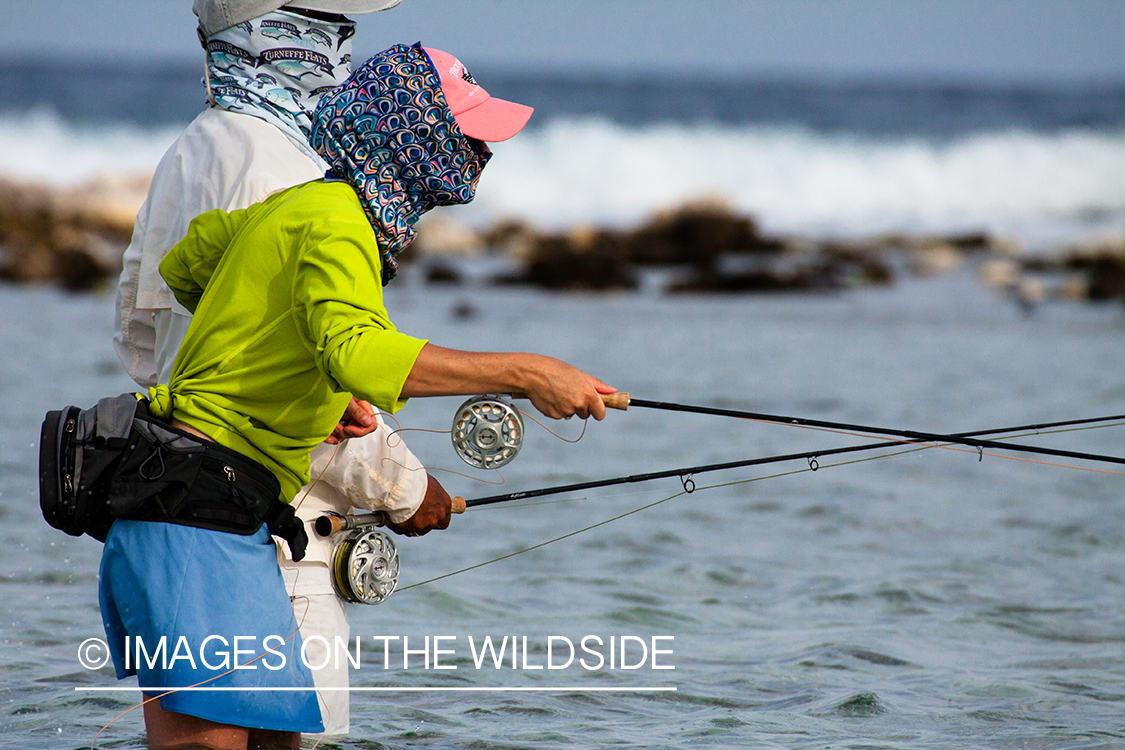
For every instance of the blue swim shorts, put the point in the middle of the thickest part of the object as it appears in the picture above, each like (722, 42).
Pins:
(187, 607)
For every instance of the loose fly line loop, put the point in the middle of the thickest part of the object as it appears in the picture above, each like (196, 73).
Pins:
(488, 432)
(905, 447)
(647, 506)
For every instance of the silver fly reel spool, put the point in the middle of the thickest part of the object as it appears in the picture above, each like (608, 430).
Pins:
(487, 432)
(365, 566)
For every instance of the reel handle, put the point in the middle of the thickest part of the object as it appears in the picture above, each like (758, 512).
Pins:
(611, 400)
(330, 524)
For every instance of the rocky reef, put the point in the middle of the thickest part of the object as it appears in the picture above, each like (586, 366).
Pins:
(708, 247)
(75, 237)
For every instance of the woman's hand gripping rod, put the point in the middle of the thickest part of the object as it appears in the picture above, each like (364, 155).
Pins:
(488, 430)
(611, 400)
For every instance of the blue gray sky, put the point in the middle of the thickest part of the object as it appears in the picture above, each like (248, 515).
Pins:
(962, 39)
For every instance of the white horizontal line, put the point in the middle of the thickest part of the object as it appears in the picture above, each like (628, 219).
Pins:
(386, 689)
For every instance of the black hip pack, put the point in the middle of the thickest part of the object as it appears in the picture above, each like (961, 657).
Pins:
(115, 460)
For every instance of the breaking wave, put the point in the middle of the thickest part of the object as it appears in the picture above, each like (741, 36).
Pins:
(794, 180)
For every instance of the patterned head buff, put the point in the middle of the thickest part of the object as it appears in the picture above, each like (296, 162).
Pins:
(277, 66)
(389, 132)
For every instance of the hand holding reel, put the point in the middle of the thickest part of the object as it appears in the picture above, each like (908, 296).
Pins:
(488, 430)
(365, 563)
(487, 433)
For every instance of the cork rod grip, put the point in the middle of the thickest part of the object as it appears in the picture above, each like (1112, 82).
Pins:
(329, 524)
(616, 400)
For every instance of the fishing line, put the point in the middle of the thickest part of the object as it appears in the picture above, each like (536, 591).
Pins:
(964, 438)
(470, 477)
(815, 455)
(1038, 429)
(542, 544)
(666, 406)
(170, 691)
(982, 453)
(634, 511)
(487, 433)
(685, 475)
(397, 432)
(528, 415)
(1032, 460)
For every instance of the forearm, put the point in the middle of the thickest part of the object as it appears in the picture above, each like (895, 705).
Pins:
(554, 387)
(450, 372)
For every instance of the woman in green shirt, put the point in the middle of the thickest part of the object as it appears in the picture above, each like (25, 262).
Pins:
(288, 324)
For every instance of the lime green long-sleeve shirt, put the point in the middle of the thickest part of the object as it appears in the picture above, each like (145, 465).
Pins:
(288, 323)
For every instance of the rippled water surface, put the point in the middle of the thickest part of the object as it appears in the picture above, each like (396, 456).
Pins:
(937, 599)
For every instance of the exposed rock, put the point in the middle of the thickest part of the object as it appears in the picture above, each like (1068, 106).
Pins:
(858, 264)
(999, 273)
(514, 239)
(1101, 261)
(695, 234)
(1074, 288)
(441, 273)
(1029, 292)
(440, 236)
(73, 237)
(584, 259)
(1106, 275)
(822, 274)
(936, 258)
(1094, 270)
(463, 310)
(970, 241)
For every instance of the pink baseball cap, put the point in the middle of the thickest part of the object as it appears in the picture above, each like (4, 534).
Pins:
(479, 115)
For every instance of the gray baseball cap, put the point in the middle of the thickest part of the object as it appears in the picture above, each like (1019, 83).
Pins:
(216, 15)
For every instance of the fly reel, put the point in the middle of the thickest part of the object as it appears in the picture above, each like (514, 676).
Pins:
(487, 432)
(365, 566)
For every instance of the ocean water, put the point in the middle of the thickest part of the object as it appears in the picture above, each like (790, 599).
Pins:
(934, 599)
(1040, 165)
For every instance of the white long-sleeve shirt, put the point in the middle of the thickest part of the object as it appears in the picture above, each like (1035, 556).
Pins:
(230, 161)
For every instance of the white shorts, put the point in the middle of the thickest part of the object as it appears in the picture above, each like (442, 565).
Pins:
(321, 614)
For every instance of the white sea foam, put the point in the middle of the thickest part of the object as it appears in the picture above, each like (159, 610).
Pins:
(798, 181)
(40, 146)
(792, 180)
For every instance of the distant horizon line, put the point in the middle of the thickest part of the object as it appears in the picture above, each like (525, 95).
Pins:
(515, 69)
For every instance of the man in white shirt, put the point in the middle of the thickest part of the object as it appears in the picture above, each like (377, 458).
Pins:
(267, 67)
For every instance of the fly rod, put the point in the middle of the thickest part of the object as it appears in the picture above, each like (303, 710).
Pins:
(913, 434)
(623, 401)
(685, 473)
(494, 422)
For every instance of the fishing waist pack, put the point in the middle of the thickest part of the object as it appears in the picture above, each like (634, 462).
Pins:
(115, 460)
